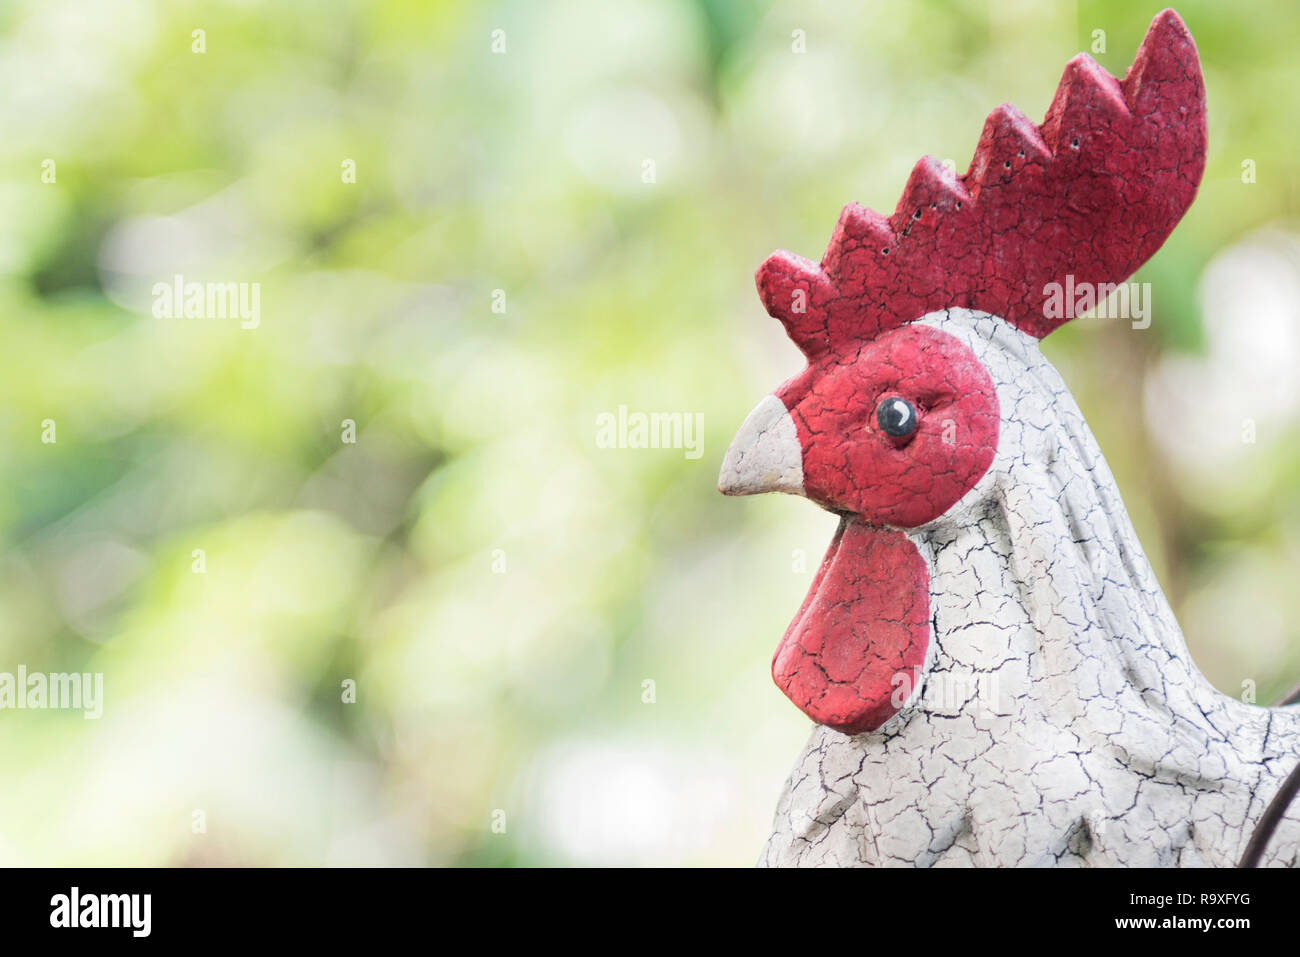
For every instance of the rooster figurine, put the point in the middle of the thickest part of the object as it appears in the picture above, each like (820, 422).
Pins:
(996, 676)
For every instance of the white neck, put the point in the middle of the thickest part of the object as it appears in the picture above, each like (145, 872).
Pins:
(1038, 576)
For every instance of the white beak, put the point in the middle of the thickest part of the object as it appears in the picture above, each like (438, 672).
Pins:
(765, 455)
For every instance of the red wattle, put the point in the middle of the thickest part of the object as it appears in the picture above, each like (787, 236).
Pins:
(851, 656)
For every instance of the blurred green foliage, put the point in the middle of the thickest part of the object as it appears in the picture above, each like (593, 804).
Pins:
(499, 588)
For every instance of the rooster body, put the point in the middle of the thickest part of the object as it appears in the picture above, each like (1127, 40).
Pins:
(998, 677)
(1062, 721)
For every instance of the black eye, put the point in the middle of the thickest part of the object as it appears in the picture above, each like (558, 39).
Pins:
(897, 416)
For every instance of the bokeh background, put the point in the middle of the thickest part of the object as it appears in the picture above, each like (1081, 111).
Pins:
(498, 586)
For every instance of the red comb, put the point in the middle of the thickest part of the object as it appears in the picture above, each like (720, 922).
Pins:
(1093, 192)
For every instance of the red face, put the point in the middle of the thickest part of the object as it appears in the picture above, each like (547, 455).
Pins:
(890, 438)
(898, 433)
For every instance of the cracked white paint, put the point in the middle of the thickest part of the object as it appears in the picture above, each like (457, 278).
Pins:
(1100, 743)
(765, 455)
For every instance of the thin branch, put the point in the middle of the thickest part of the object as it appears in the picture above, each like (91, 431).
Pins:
(1292, 697)
(1272, 817)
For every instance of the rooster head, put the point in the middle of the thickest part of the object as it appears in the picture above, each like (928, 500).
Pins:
(894, 420)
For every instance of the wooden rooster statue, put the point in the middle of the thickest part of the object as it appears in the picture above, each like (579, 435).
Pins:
(996, 675)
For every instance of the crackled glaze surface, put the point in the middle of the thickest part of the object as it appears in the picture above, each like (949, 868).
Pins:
(997, 677)
(1061, 719)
